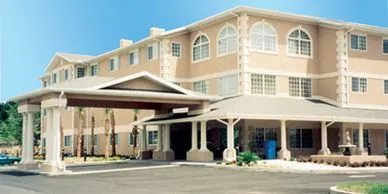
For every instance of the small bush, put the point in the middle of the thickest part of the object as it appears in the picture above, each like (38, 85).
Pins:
(372, 163)
(247, 157)
(364, 164)
(239, 163)
(292, 159)
(386, 152)
(343, 163)
(355, 165)
(321, 161)
(328, 162)
(336, 163)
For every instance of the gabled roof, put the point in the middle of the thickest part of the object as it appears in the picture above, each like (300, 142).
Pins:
(69, 57)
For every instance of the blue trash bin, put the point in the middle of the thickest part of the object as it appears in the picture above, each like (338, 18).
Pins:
(270, 149)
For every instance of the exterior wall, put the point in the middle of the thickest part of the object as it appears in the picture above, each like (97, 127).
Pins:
(327, 54)
(374, 95)
(179, 66)
(327, 88)
(281, 60)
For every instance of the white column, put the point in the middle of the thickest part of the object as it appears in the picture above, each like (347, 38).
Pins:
(229, 153)
(159, 146)
(194, 136)
(53, 137)
(30, 138)
(24, 138)
(166, 142)
(361, 136)
(203, 137)
(324, 149)
(144, 138)
(284, 152)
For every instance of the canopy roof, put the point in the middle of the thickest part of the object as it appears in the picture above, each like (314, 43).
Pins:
(279, 108)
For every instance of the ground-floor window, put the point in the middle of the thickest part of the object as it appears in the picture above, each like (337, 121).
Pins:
(365, 134)
(131, 137)
(152, 137)
(386, 138)
(301, 138)
(67, 142)
(44, 142)
(116, 139)
(95, 140)
(260, 135)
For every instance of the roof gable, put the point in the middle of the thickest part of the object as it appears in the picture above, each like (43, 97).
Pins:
(61, 58)
(143, 81)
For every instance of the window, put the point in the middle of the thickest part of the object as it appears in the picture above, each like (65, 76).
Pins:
(44, 84)
(299, 43)
(95, 140)
(114, 64)
(93, 70)
(201, 48)
(385, 86)
(116, 139)
(66, 74)
(152, 52)
(55, 78)
(228, 85)
(176, 49)
(263, 38)
(359, 84)
(300, 87)
(365, 134)
(227, 40)
(130, 139)
(385, 46)
(80, 72)
(44, 142)
(260, 135)
(152, 137)
(133, 57)
(67, 142)
(301, 138)
(263, 84)
(200, 86)
(386, 138)
(358, 42)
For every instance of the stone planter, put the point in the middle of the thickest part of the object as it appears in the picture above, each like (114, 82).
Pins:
(334, 190)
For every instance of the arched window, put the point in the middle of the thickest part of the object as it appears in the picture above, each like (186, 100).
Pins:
(299, 43)
(227, 40)
(263, 38)
(201, 48)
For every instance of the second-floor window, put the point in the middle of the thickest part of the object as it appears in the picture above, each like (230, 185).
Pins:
(228, 85)
(55, 78)
(299, 87)
(299, 43)
(80, 72)
(133, 57)
(358, 42)
(263, 84)
(201, 48)
(359, 84)
(263, 38)
(385, 46)
(176, 49)
(152, 51)
(385, 86)
(66, 74)
(227, 40)
(93, 70)
(200, 86)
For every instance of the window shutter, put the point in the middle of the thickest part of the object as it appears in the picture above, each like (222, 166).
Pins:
(136, 56)
(117, 62)
(155, 50)
(97, 69)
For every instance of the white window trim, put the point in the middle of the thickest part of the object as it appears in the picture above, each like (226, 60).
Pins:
(192, 48)
(218, 39)
(155, 55)
(64, 74)
(276, 52)
(94, 65)
(180, 49)
(358, 34)
(115, 60)
(359, 91)
(311, 44)
(382, 45)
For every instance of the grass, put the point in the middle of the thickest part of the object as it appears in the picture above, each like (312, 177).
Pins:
(364, 187)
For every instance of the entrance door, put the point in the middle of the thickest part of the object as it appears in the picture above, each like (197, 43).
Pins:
(180, 140)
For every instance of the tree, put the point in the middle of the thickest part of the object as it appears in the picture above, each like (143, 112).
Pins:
(92, 125)
(106, 121)
(112, 125)
(135, 131)
(80, 131)
(10, 124)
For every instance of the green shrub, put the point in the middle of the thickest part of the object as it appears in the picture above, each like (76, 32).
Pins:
(386, 152)
(247, 157)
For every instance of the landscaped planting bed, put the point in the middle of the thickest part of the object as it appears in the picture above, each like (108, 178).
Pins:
(344, 163)
(364, 187)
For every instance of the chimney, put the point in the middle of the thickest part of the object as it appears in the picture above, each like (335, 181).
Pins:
(156, 31)
(125, 42)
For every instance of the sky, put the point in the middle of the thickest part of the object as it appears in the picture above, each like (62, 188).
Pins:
(32, 31)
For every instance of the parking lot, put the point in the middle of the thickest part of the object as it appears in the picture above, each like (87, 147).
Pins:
(182, 179)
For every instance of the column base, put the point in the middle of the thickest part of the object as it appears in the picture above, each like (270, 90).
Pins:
(284, 154)
(146, 155)
(163, 155)
(52, 167)
(229, 155)
(200, 156)
(27, 166)
(361, 151)
(325, 151)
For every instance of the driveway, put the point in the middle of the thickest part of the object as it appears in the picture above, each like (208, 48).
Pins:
(183, 179)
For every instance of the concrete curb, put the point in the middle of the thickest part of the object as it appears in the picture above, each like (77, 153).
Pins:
(334, 190)
(97, 163)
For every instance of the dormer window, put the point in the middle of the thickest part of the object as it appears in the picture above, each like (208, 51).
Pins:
(114, 64)
(55, 78)
(80, 72)
(66, 74)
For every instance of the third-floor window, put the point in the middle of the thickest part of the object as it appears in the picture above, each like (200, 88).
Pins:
(263, 38)
(227, 40)
(299, 43)
(201, 48)
(176, 49)
(358, 42)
